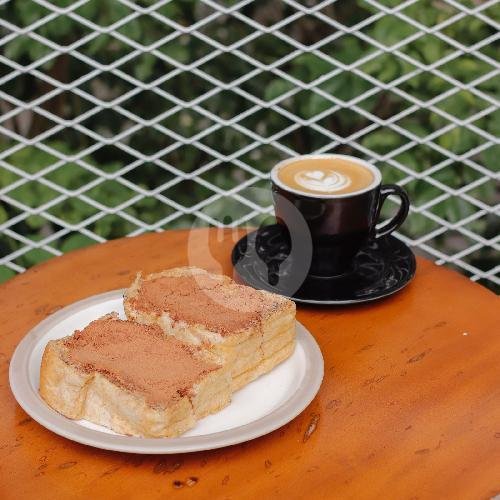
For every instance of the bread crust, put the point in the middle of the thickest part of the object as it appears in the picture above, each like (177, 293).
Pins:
(78, 394)
(243, 350)
(242, 355)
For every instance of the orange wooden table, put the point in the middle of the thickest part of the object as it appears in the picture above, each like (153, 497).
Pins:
(409, 407)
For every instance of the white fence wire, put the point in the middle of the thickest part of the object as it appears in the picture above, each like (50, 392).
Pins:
(121, 117)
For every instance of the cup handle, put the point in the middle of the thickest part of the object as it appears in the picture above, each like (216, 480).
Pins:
(392, 224)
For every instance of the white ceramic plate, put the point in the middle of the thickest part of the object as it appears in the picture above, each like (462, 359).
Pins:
(259, 408)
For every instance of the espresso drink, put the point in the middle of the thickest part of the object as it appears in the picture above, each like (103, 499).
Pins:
(325, 176)
(338, 225)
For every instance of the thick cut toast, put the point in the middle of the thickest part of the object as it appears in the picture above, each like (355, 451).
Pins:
(132, 379)
(249, 330)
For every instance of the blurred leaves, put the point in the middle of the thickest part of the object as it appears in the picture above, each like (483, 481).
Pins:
(339, 73)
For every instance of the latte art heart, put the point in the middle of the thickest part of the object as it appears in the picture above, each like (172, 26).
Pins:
(326, 181)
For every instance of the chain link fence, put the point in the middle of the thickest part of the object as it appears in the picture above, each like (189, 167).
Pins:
(120, 117)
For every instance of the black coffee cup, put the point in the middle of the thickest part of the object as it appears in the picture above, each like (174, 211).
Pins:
(339, 224)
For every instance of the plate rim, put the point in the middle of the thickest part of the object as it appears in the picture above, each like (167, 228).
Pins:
(411, 275)
(30, 401)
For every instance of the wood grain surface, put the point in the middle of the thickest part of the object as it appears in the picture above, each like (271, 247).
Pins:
(409, 407)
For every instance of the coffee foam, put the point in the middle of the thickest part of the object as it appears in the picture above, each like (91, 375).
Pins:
(328, 181)
(325, 175)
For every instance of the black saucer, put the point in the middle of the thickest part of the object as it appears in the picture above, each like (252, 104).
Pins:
(262, 259)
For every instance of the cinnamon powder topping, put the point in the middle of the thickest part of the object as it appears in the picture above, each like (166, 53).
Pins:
(138, 358)
(213, 301)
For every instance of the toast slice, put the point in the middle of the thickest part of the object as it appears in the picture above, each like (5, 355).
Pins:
(249, 330)
(132, 379)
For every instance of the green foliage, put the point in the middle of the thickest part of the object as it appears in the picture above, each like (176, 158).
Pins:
(342, 71)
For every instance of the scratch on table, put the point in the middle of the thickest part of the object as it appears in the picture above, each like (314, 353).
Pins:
(192, 481)
(311, 427)
(423, 451)
(365, 348)
(373, 380)
(334, 403)
(111, 471)
(164, 466)
(67, 465)
(439, 324)
(419, 357)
